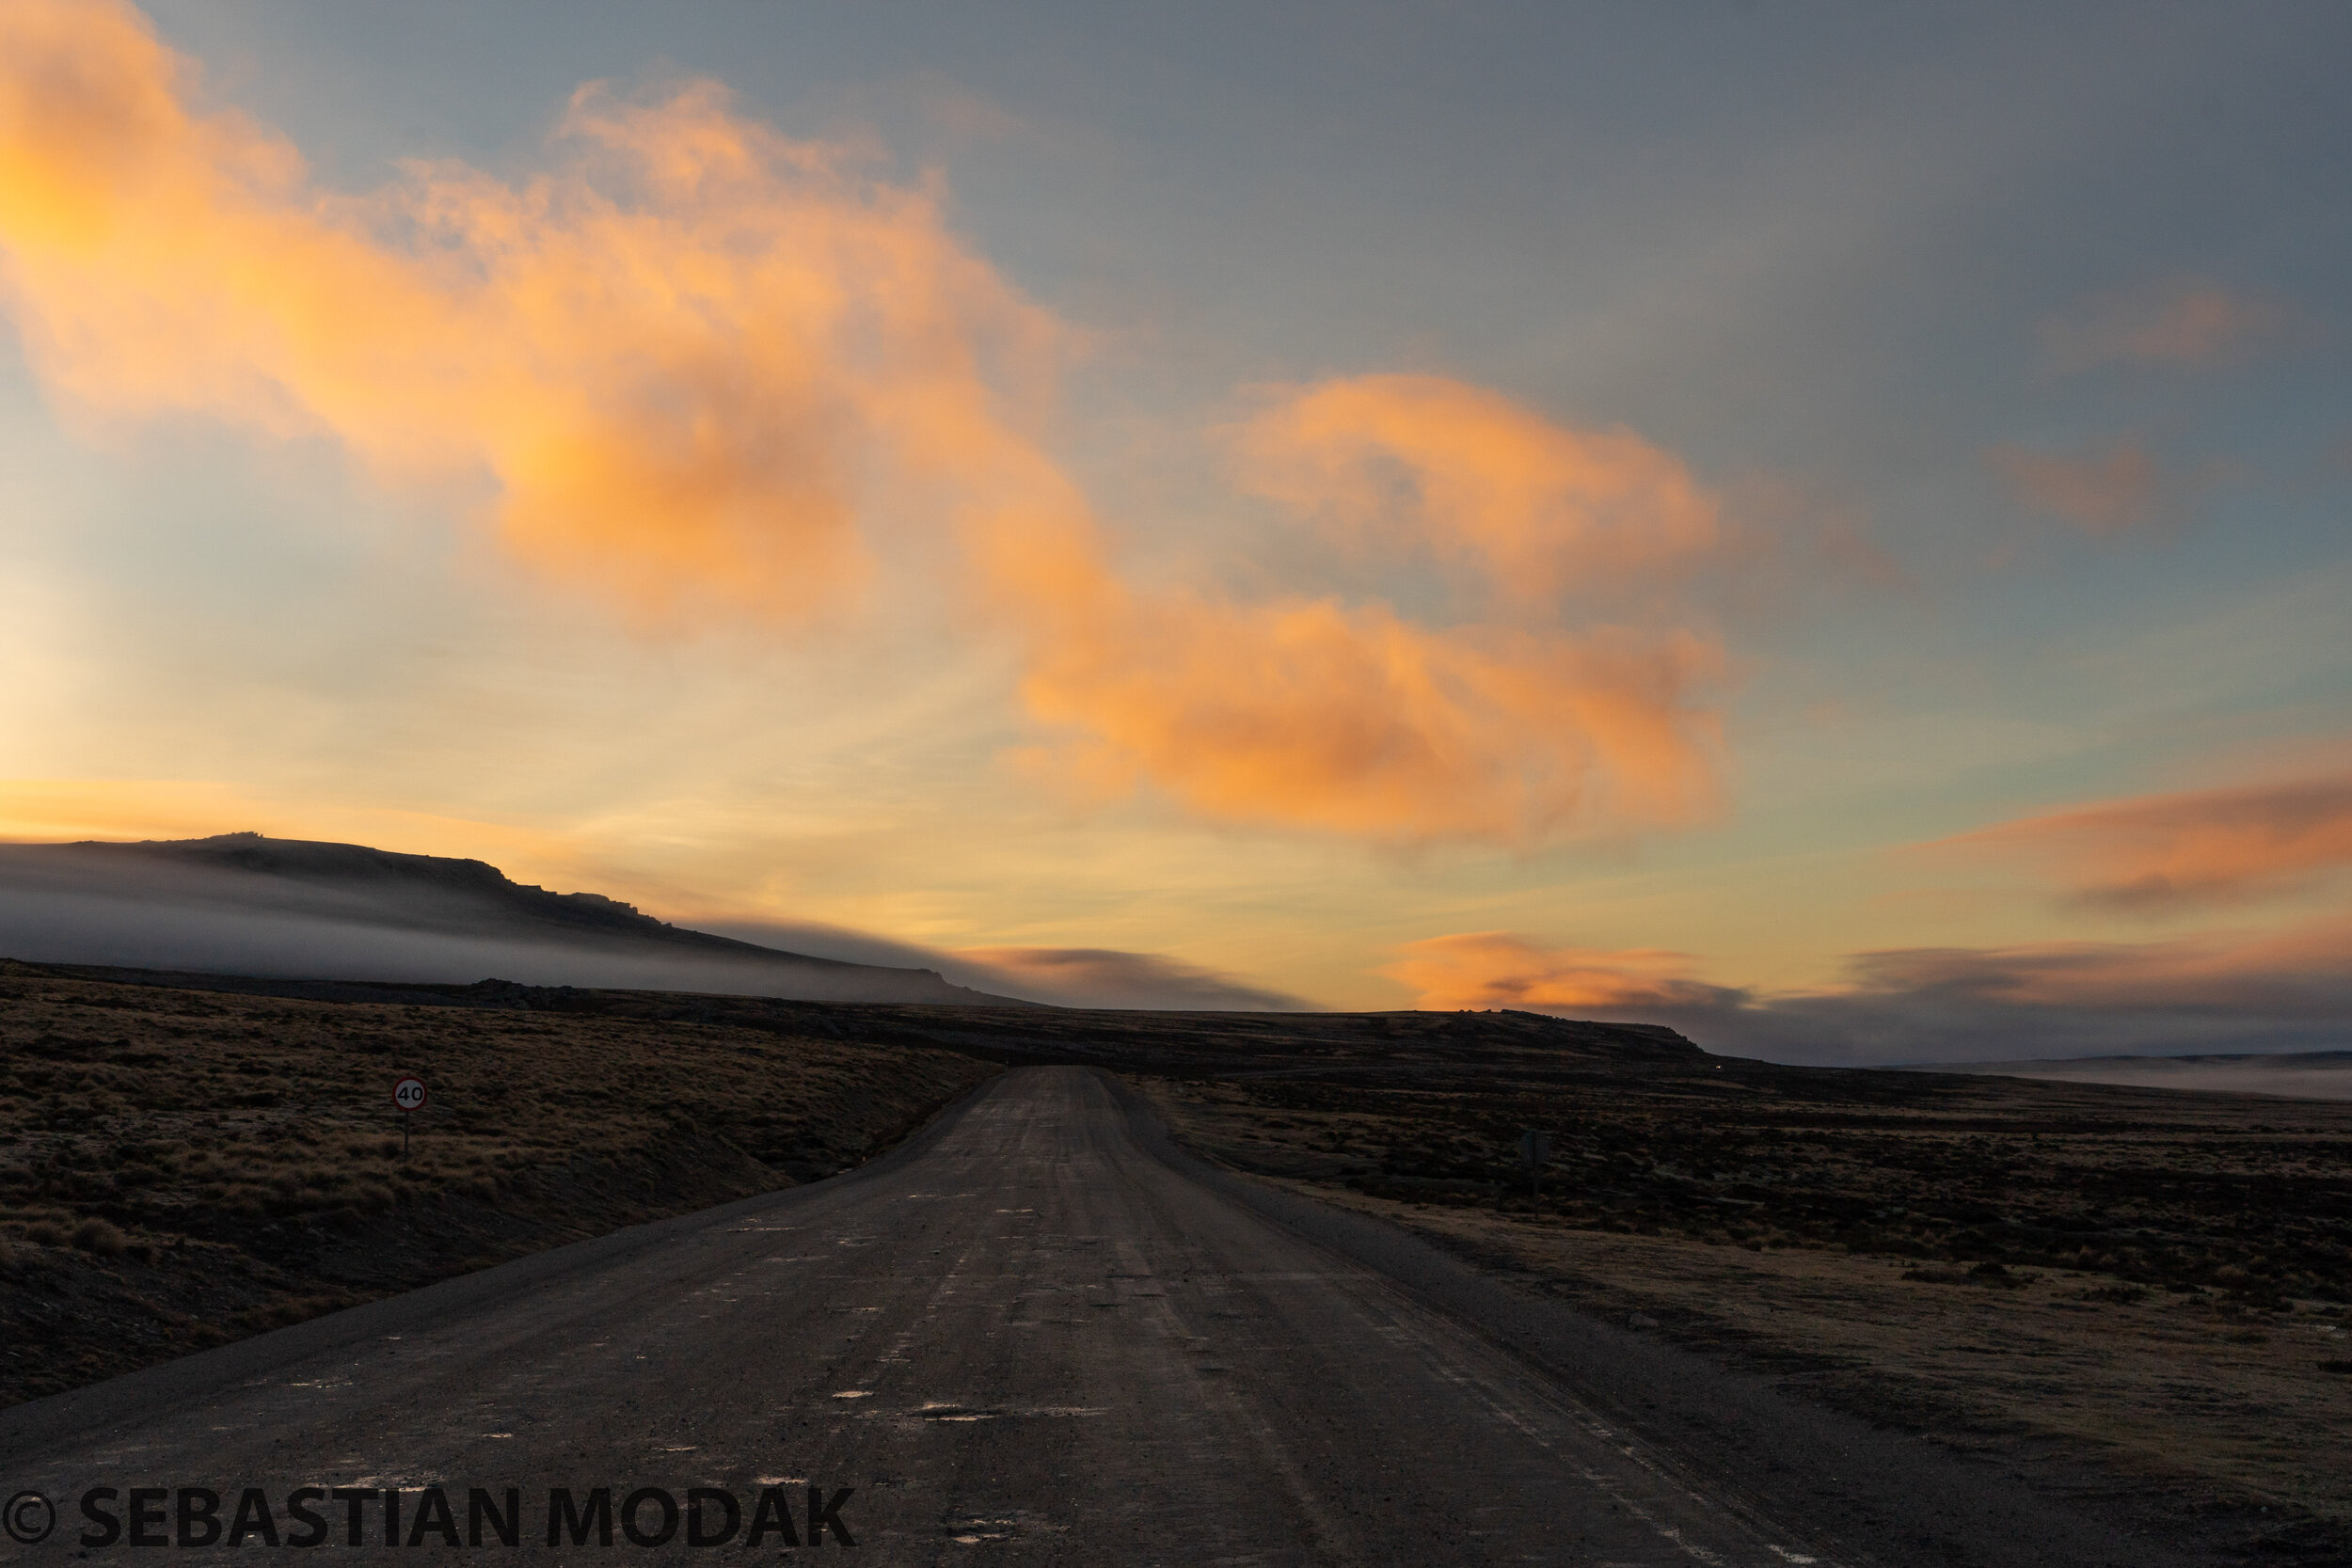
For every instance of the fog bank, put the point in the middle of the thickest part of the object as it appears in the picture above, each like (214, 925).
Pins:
(246, 904)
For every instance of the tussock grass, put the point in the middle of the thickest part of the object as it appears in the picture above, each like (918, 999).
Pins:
(2245, 1199)
(2142, 1281)
(239, 1152)
(100, 1236)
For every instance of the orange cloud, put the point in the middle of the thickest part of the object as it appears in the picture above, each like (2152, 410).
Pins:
(2102, 493)
(1509, 728)
(693, 363)
(1352, 719)
(1531, 508)
(2300, 972)
(2191, 326)
(2167, 852)
(1481, 970)
(662, 357)
(2263, 991)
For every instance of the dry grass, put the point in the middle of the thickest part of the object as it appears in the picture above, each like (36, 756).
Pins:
(2175, 1387)
(2151, 1283)
(177, 1168)
(2245, 1199)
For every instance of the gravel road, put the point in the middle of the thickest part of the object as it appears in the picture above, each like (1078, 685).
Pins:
(1035, 1333)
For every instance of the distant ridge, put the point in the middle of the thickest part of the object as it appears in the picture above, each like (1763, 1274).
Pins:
(244, 903)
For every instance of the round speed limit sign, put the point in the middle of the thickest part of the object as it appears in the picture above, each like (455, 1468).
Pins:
(408, 1094)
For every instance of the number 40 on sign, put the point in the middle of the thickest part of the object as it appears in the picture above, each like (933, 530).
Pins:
(408, 1094)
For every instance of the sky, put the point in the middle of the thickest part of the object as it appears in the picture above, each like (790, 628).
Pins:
(1822, 525)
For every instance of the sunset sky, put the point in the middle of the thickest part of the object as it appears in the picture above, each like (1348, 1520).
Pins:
(1827, 526)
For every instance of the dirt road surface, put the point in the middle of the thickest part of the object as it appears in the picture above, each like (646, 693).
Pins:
(1035, 1334)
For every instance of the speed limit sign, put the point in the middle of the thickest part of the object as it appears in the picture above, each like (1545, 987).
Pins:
(408, 1094)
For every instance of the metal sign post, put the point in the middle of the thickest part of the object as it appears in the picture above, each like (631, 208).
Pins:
(408, 1094)
(1535, 1148)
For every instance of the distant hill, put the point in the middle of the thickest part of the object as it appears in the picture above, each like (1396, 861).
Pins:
(240, 903)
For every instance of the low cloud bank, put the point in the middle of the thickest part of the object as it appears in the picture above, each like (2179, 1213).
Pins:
(2307, 1075)
(246, 904)
(1104, 977)
(2280, 990)
(139, 934)
(242, 904)
(1064, 977)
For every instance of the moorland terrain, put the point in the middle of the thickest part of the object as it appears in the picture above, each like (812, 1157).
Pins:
(183, 1168)
(2155, 1284)
(2151, 1284)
